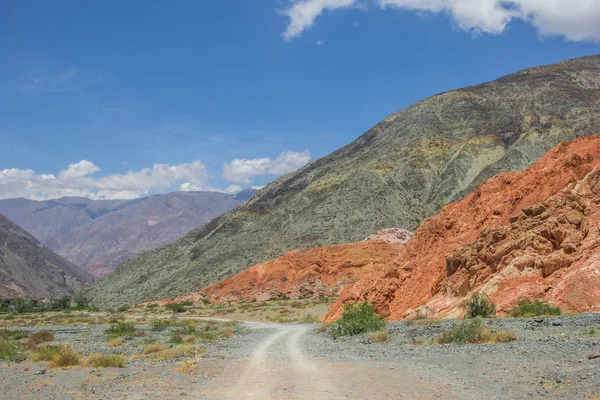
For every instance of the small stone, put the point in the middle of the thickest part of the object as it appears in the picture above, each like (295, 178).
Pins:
(558, 322)
(25, 369)
(41, 372)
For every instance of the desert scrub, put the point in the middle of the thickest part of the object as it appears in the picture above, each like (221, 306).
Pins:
(10, 350)
(176, 307)
(527, 308)
(38, 338)
(378, 337)
(159, 325)
(116, 342)
(357, 318)
(471, 331)
(479, 306)
(124, 329)
(107, 360)
(154, 348)
(59, 356)
(177, 351)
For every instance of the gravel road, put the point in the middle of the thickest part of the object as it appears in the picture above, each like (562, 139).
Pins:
(290, 361)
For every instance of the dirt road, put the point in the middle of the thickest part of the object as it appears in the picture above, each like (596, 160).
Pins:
(279, 367)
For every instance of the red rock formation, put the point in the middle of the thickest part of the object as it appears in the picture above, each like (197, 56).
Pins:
(519, 235)
(315, 272)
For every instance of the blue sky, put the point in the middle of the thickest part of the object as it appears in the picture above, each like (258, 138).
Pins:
(112, 99)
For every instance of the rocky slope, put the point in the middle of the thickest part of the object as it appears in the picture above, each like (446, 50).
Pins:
(314, 272)
(98, 235)
(28, 269)
(518, 235)
(403, 170)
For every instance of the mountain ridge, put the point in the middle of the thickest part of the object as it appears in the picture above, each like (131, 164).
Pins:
(100, 234)
(28, 269)
(401, 171)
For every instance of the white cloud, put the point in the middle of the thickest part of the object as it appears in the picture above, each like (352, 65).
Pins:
(233, 189)
(575, 20)
(320, 42)
(302, 14)
(78, 180)
(243, 170)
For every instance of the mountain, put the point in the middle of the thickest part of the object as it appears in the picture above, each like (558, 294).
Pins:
(98, 235)
(28, 269)
(531, 235)
(403, 170)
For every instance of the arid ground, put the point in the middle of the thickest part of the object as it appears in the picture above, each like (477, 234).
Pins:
(184, 355)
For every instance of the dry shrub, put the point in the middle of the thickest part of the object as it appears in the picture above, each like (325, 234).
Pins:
(116, 342)
(154, 348)
(226, 332)
(324, 327)
(174, 352)
(66, 357)
(188, 366)
(107, 360)
(378, 337)
(38, 338)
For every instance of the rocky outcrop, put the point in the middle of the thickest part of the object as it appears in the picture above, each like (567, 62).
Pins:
(309, 273)
(392, 235)
(403, 170)
(518, 235)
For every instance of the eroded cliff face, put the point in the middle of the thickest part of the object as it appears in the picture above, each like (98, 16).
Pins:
(518, 235)
(315, 272)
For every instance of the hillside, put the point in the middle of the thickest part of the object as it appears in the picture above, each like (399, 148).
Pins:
(316, 272)
(28, 269)
(532, 234)
(403, 170)
(98, 235)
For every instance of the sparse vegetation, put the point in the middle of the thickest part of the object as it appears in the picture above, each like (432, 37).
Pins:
(176, 307)
(159, 325)
(107, 360)
(479, 306)
(122, 308)
(527, 308)
(116, 342)
(154, 348)
(357, 318)
(123, 329)
(378, 337)
(38, 338)
(59, 356)
(474, 331)
(10, 350)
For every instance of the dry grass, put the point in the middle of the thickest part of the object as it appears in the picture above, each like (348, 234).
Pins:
(174, 352)
(59, 356)
(116, 342)
(107, 360)
(188, 366)
(378, 337)
(154, 348)
(324, 327)
(38, 338)
(226, 332)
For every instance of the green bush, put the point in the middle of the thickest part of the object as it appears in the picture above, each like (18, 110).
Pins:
(357, 318)
(527, 308)
(479, 306)
(205, 300)
(474, 331)
(122, 309)
(123, 329)
(468, 331)
(10, 351)
(159, 325)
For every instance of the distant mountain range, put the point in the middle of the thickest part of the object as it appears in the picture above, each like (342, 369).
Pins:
(29, 269)
(98, 235)
(403, 170)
